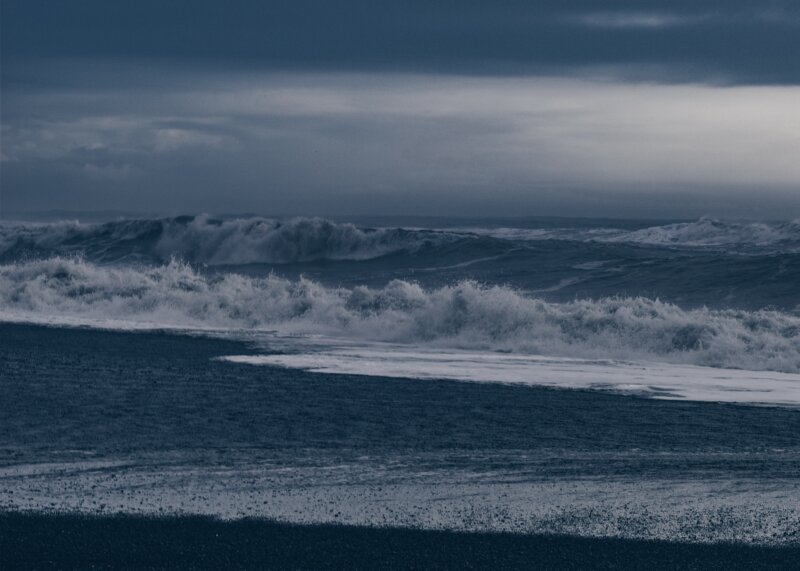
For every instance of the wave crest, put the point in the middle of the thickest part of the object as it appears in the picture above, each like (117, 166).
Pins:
(206, 240)
(239, 241)
(463, 315)
(714, 233)
(705, 233)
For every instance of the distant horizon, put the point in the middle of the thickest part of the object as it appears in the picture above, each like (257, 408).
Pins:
(108, 215)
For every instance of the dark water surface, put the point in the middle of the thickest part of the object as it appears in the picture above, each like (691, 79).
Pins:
(101, 422)
(119, 392)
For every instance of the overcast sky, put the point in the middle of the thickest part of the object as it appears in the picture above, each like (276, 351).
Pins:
(571, 107)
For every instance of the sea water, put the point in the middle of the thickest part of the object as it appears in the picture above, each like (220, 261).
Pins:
(205, 365)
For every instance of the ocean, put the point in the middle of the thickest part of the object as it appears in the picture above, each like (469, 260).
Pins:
(625, 379)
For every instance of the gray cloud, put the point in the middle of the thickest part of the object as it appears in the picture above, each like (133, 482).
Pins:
(367, 143)
(573, 107)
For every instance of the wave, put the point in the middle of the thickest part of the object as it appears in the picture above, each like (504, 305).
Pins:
(465, 315)
(708, 233)
(206, 240)
(239, 241)
(713, 233)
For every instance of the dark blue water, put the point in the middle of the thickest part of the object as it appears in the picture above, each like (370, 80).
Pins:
(100, 418)
(63, 389)
(105, 422)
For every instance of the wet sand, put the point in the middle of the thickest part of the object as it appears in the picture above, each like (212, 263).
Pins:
(91, 542)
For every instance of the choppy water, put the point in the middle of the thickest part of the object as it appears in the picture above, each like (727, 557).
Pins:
(179, 420)
(709, 292)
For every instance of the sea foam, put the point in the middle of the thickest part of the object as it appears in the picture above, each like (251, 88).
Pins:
(705, 233)
(464, 315)
(714, 233)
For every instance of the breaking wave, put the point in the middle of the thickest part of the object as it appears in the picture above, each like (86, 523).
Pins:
(206, 240)
(239, 241)
(713, 233)
(464, 315)
(707, 233)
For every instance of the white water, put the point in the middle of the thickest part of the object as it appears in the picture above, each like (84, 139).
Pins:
(439, 490)
(655, 380)
(465, 331)
(466, 315)
(707, 233)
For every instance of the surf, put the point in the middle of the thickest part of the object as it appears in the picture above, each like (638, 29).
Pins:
(461, 315)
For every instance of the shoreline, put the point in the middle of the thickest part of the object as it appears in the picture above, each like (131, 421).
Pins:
(154, 422)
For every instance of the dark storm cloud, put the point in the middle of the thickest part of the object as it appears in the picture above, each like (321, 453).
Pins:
(735, 40)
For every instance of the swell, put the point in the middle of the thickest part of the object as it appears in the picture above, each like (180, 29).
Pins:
(463, 315)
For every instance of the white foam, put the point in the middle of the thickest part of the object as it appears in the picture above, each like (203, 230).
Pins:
(439, 490)
(466, 315)
(656, 380)
(703, 233)
(713, 233)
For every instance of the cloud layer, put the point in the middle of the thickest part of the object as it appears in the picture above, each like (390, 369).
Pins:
(750, 41)
(579, 107)
(364, 143)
